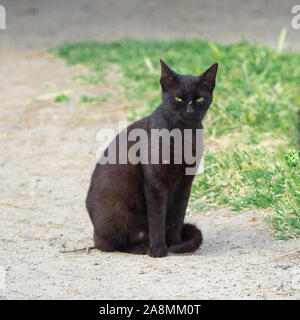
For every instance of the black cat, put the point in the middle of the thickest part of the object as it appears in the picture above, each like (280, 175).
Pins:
(140, 208)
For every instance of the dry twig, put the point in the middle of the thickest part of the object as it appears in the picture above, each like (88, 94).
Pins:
(87, 249)
(288, 256)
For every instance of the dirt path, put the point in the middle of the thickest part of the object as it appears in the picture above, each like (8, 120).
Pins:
(33, 23)
(47, 155)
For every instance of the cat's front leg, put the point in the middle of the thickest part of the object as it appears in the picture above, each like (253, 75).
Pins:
(177, 209)
(156, 199)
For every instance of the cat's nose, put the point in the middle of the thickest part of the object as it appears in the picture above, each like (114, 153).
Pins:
(189, 108)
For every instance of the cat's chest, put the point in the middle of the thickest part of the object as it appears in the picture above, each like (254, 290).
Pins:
(172, 173)
(180, 155)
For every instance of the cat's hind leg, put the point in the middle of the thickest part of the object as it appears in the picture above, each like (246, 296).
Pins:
(104, 244)
(138, 243)
(137, 248)
(109, 245)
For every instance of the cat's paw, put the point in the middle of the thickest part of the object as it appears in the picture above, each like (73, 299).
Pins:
(158, 251)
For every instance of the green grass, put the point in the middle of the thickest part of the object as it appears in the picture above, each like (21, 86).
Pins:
(94, 99)
(61, 98)
(251, 130)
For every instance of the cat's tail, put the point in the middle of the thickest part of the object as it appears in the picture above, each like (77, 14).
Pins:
(192, 239)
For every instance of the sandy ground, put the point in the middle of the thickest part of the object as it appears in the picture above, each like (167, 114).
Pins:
(48, 153)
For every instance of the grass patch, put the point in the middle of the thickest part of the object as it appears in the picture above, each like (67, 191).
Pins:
(94, 99)
(252, 159)
(61, 98)
(92, 78)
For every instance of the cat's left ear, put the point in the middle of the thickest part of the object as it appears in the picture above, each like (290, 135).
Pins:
(208, 78)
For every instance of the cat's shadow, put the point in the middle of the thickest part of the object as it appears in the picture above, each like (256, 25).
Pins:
(239, 233)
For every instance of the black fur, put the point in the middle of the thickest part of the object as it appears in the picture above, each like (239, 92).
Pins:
(140, 208)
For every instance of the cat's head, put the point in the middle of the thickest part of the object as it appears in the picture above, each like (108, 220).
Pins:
(186, 98)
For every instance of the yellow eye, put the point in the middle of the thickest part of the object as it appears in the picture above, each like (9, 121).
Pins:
(178, 99)
(200, 99)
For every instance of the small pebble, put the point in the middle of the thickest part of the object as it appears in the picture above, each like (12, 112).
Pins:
(283, 267)
(285, 288)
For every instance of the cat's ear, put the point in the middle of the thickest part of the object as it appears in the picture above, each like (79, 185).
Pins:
(168, 76)
(208, 78)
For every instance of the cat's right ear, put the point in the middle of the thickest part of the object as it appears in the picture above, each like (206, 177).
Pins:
(168, 76)
(208, 78)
